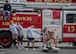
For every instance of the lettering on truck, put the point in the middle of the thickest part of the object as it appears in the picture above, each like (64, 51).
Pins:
(27, 20)
(59, 1)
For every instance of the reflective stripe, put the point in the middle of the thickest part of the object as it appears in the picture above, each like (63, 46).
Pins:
(69, 35)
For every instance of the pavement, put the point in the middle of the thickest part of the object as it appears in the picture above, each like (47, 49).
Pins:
(37, 51)
(40, 44)
(65, 48)
(61, 45)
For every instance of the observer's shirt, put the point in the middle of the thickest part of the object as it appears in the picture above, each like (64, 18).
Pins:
(13, 28)
(20, 30)
(30, 32)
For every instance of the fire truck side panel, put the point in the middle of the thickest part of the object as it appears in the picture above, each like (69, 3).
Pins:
(69, 26)
(52, 20)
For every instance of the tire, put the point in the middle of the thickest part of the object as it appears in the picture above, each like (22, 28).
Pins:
(6, 39)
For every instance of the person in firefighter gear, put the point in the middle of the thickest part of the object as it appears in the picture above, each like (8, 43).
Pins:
(49, 38)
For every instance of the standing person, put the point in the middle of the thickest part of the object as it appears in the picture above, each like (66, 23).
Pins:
(13, 29)
(6, 9)
(43, 35)
(20, 35)
(30, 35)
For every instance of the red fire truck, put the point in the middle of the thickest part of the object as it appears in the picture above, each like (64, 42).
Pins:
(57, 15)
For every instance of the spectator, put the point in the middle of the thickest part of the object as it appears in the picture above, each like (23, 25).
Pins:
(30, 35)
(43, 34)
(20, 35)
(6, 9)
(13, 29)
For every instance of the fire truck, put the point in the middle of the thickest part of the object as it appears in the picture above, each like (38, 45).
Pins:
(56, 15)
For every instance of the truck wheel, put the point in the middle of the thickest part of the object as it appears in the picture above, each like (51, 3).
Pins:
(6, 39)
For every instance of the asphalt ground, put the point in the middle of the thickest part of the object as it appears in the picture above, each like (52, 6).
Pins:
(65, 48)
(37, 51)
